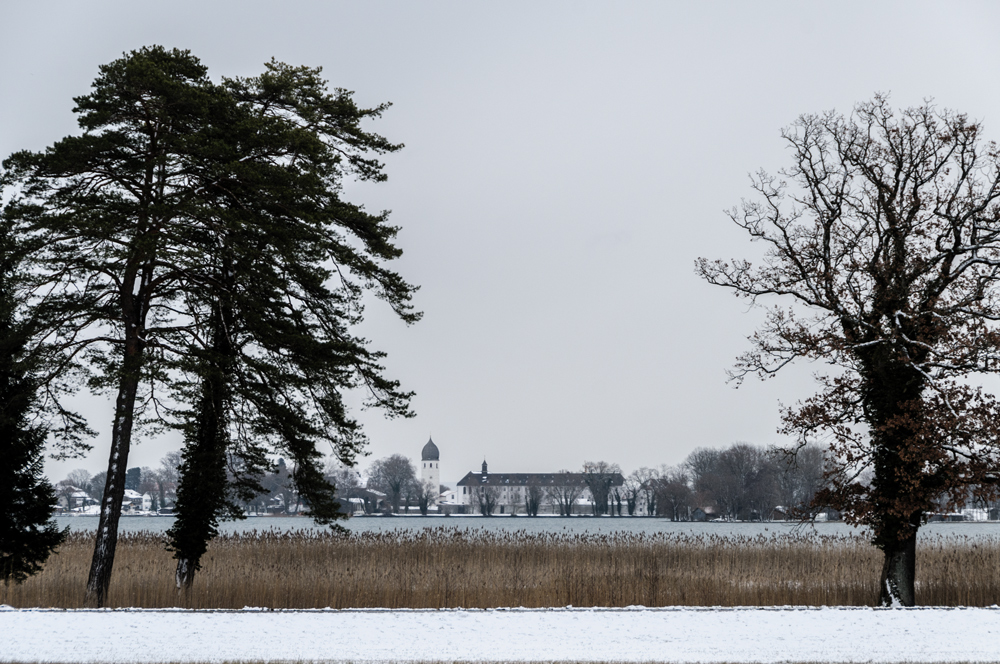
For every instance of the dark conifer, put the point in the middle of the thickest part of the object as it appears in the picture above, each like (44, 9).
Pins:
(27, 533)
(129, 223)
(202, 495)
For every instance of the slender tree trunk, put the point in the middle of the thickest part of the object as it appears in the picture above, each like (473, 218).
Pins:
(121, 441)
(184, 575)
(896, 585)
(114, 493)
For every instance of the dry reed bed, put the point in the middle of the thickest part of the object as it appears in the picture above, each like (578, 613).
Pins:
(458, 568)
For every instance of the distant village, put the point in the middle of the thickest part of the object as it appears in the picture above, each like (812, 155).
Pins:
(739, 483)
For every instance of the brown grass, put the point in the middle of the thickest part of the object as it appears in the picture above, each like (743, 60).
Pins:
(457, 568)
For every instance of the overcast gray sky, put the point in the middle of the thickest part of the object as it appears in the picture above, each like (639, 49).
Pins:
(565, 164)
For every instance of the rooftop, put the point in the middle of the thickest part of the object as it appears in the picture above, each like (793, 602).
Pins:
(535, 479)
(430, 451)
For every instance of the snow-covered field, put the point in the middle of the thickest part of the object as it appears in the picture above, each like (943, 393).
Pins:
(631, 634)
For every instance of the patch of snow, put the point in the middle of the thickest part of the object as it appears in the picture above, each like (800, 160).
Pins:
(891, 591)
(575, 634)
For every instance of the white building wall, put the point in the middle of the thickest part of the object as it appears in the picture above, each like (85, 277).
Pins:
(430, 473)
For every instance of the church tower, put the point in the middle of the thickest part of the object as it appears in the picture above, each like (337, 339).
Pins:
(430, 471)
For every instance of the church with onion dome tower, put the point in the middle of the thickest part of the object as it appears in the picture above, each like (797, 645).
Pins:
(430, 468)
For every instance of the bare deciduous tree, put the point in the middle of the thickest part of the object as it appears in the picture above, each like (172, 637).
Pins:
(707, 484)
(487, 498)
(800, 479)
(64, 491)
(884, 238)
(149, 482)
(392, 476)
(534, 496)
(79, 478)
(563, 494)
(631, 491)
(599, 476)
(648, 479)
(166, 477)
(97, 484)
(672, 493)
(342, 477)
(425, 494)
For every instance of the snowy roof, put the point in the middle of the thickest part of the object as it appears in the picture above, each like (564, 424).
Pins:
(536, 479)
(449, 497)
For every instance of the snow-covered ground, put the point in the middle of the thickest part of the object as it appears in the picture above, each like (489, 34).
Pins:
(632, 634)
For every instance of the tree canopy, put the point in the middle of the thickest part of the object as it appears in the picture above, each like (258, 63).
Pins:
(883, 249)
(392, 476)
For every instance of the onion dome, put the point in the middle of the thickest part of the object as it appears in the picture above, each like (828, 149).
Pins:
(430, 451)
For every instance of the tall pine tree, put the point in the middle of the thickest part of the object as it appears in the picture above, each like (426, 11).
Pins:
(27, 533)
(127, 222)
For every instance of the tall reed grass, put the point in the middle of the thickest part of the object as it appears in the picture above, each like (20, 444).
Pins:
(459, 568)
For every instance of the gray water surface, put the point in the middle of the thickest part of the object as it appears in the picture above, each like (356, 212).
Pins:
(571, 525)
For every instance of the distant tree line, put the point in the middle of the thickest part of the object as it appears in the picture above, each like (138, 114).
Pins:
(160, 483)
(741, 482)
(278, 493)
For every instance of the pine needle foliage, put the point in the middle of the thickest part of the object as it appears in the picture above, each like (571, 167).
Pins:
(27, 533)
(183, 193)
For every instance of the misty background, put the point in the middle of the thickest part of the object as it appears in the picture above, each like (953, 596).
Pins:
(565, 164)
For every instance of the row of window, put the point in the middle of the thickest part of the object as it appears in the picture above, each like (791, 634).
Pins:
(465, 490)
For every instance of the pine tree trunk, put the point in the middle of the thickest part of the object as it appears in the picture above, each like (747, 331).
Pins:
(896, 587)
(114, 493)
(184, 576)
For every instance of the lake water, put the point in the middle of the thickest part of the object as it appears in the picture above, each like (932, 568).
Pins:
(571, 525)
